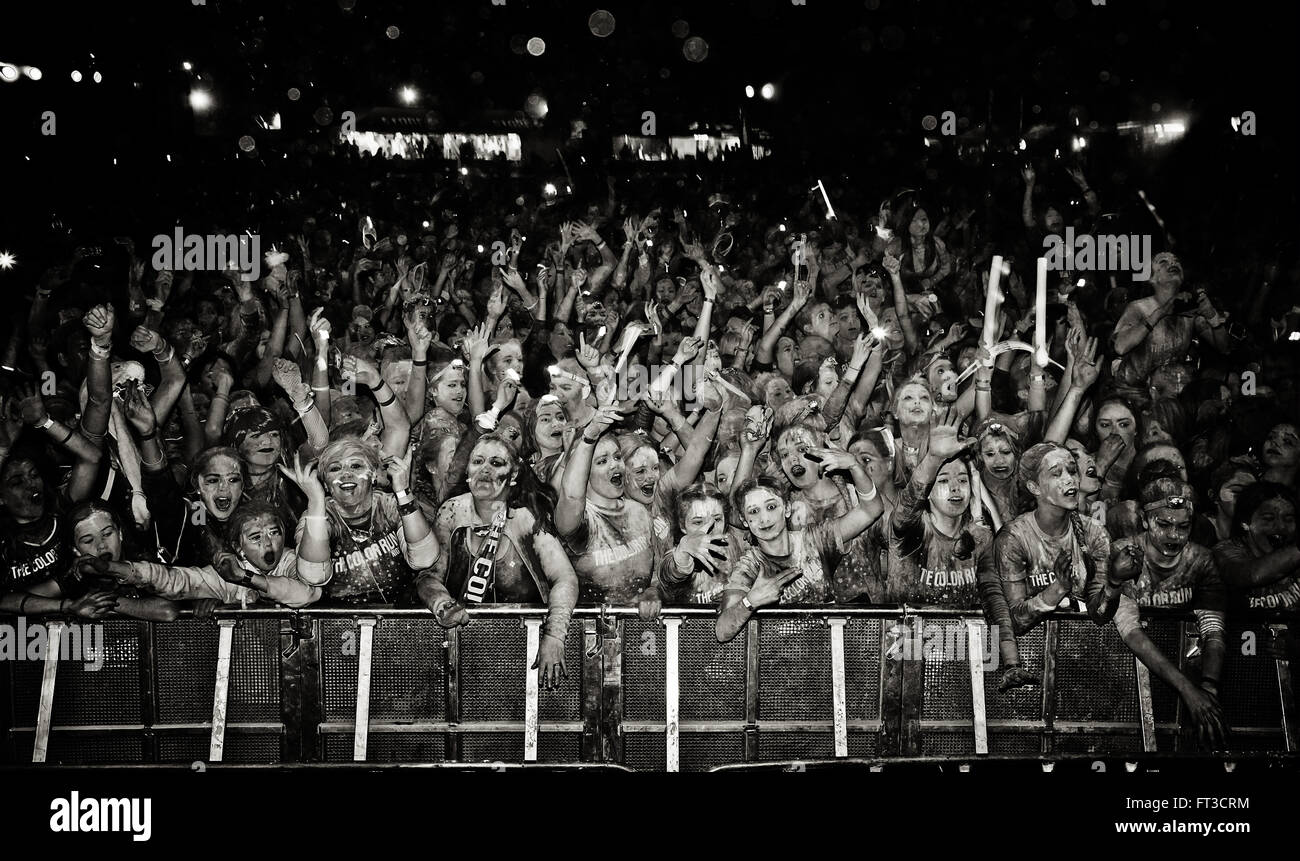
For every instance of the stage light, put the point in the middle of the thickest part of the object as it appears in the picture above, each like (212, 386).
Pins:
(33, 73)
(749, 91)
(769, 92)
(76, 76)
(781, 227)
(1023, 146)
(99, 79)
(536, 46)
(425, 224)
(7, 260)
(200, 100)
(549, 189)
(409, 95)
(187, 66)
(8, 73)
(464, 171)
(1236, 123)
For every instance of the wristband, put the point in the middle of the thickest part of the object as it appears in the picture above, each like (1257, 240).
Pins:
(747, 604)
(158, 354)
(404, 495)
(150, 435)
(98, 352)
(867, 497)
(589, 441)
(419, 363)
(27, 596)
(305, 407)
(222, 395)
(320, 388)
(390, 400)
(408, 508)
(48, 423)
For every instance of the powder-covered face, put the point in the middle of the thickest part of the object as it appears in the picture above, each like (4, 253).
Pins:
(786, 350)
(1058, 481)
(725, 471)
(764, 514)
(561, 341)
(997, 456)
(704, 517)
(1116, 419)
(261, 449)
(450, 391)
(1271, 527)
(568, 391)
(821, 321)
(665, 290)
(22, 490)
(1281, 447)
(491, 469)
(1167, 271)
(350, 481)
(509, 357)
(1168, 529)
(548, 432)
(97, 536)
(848, 322)
(790, 450)
(940, 374)
(607, 470)
(950, 494)
(828, 379)
(221, 486)
(261, 541)
(878, 464)
(643, 474)
(778, 392)
(1089, 480)
(914, 404)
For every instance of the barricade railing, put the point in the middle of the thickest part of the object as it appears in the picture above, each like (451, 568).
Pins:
(330, 685)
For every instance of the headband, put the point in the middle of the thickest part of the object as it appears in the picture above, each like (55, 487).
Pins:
(557, 371)
(1168, 502)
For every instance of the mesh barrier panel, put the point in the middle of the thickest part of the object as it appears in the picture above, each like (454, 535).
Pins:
(338, 666)
(238, 748)
(711, 675)
(1020, 703)
(643, 670)
(388, 747)
(697, 751)
(862, 668)
(492, 674)
(863, 743)
(84, 696)
(1249, 686)
(773, 745)
(1095, 679)
(1166, 634)
(947, 675)
(408, 671)
(794, 672)
(75, 748)
(1098, 744)
(186, 653)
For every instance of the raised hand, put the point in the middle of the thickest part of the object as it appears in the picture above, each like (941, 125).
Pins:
(32, 406)
(476, 343)
(399, 471)
(631, 227)
(1086, 366)
(307, 478)
(566, 237)
(1126, 562)
(577, 277)
(709, 281)
(139, 412)
(892, 264)
(496, 305)
(944, 442)
(688, 349)
(318, 325)
(758, 425)
(288, 376)
(1028, 173)
(862, 347)
(832, 459)
(802, 293)
(362, 370)
(419, 336)
(767, 587)
(588, 356)
(514, 280)
(708, 550)
(99, 323)
(605, 418)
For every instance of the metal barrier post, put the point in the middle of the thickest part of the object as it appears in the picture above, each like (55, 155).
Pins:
(750, 751)
(611, 698)
(592, 749)
(672, 757)
(300, 690)
(979, 716)
(1285, 691)
(1146, 709)
(148, 690)
(839, 706)
(220, 695)
(1050, 634)
(53, 640)
(534, 630)
(365, 656)
(453, 694)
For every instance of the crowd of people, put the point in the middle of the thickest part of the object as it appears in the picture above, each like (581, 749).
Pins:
(624, 402)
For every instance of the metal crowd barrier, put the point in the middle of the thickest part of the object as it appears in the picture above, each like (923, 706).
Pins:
(347, 685)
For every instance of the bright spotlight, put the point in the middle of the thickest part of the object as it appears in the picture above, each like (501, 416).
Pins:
(7, 260)
(33, 73)
(409, 95)
(187, 66)
(769, 91)
(1023, 146)
(200, 100)
(549, 189)
(76, 76)
(8, 73)
(749, 91)
(99, 79)
(464, 171)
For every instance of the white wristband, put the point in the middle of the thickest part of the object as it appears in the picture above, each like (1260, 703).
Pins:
(867, 497)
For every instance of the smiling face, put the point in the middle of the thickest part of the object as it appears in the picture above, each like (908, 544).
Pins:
(450, 392)
(261, 541)
(548, 432)
(643, 474)
(1169, 529)
(790, 450)
(491, 469)
(914, 404)
(704, 517)
(764, 513)
(950, 495)
(1117, 419)
(97, 536)
(1281, 447)
(607, 470)
(221, 486)
(997, 456)
(22, 491)
(350, 480)
(1271, 527)
(1058, 481)
(261, 449)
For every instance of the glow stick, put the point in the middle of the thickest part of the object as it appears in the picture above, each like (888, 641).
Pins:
(1040, 315)
(992, 301)
(830, 210)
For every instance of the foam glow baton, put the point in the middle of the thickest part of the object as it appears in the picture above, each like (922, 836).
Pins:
(830, 210)
(630, 334)
(1040, 315)
(992, 301)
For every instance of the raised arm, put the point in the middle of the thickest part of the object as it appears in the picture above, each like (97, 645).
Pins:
(572, 504)
(397, 427)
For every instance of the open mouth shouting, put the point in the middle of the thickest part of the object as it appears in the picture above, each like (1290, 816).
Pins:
(616, 479)
(268, 558)
(223, 504)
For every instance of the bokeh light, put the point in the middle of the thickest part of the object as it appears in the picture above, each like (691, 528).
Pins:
(601, 23)
(695, 49)
(536, 46)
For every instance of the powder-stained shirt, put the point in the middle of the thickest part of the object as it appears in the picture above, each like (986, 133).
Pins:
(34, 552)
(923, 562)
(611, 552)
(1283, 594)
(857, 575)
(814, 550)
(1026, 559)
(1192, 582)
